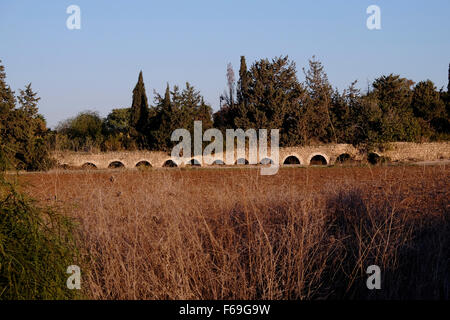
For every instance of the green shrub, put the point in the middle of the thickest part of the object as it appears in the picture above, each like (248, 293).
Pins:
(36, 247)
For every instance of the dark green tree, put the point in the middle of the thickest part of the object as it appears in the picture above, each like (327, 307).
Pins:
(7, 105)
(316, 114)
(192, 107)
(139, 116)
(83, 131)
(393, 92)
(118, 121)
(243, 84)
(345, 109)
(393, 96)
(428, 105)
(33, 150)
(177, 109)
(116, 131)
(23, 130)
(270, 93)
(268, 96)
(163, 122)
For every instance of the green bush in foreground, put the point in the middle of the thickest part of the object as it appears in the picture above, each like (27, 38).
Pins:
(36, 247)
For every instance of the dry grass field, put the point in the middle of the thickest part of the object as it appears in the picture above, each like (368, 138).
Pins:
(305, 233)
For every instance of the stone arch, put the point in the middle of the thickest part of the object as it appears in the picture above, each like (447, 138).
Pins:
(169, 163)
(374, 158)
(116, 164)
(318, 159)
(218, 163)
(89, 166)
(143, 164)
(344, 157)
(266, 161)
(292, 160)
(241, 161)
(193, 163)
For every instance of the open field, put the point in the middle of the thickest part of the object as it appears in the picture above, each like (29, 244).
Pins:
(305, 233)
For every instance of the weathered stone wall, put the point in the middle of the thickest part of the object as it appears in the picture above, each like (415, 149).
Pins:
(330, 152)
(102, 160)
(398, 151)
(406, 151)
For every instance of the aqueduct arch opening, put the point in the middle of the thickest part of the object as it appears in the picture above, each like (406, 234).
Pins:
(373, 158)
(143, 164)
(266, 161)
(64, 166)
(291, 160)
(89, 166)
(169, 164)
(241, 161)
(218, 163)
(343, 158)
(318, 159)
(193, 163)
(116, 165)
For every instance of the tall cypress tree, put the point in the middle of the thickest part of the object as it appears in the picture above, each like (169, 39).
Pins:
(242, 90)
(166, 103)
(448, 84)
(163, 121)
(240, 109)
(167, 121)
(139, 113)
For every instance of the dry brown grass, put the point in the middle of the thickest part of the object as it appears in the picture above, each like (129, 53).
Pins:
(233, 234)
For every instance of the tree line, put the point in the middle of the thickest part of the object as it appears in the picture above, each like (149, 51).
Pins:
(139, 127)
(267, 95)
(23, 131)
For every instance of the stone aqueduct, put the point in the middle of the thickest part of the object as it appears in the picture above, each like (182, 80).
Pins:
(323, 154)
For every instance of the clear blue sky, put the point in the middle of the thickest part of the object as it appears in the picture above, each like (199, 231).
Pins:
(177, 41)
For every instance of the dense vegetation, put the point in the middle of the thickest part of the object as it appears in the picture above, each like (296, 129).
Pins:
(23, 131)
(269, 95)
(36, 247)
(266, 95)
